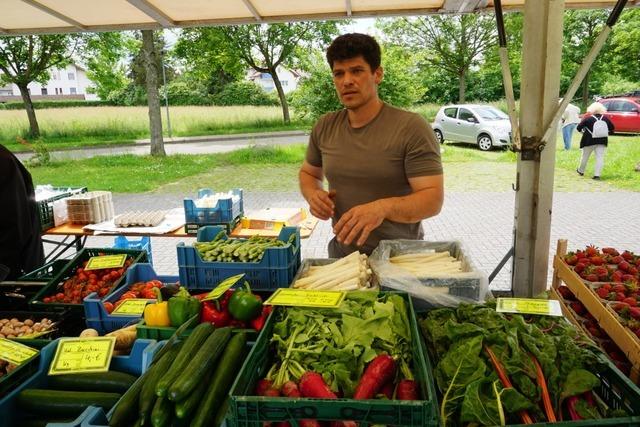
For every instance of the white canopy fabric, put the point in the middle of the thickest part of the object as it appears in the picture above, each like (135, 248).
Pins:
(56, 16)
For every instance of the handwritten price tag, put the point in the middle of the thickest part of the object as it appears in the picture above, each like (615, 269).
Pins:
(82, 355)
(16, 353)
(130, 307)
(106, 261)
(542, 307)
(303, 298)
(223, 287)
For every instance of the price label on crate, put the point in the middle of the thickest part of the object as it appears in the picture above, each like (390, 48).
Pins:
(542, 307)
(16, 353)
(82, 355)
(303, 298)
(223, 287)
(131, 307)
(106, 261)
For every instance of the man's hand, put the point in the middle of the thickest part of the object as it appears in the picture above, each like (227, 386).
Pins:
(321, 204)
(359, 221)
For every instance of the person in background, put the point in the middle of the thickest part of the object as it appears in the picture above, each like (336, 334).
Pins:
(570, 119)
(595, 136)
(382, 163)
(21, 249)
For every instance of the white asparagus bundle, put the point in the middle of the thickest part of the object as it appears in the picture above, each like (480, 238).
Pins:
(347, 274)
(429, 264)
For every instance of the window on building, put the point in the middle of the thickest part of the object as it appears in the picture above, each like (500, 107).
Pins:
(55, 75)
(72, 91)
(71, 76)
(61, 91)
(285, 83)
(44, 91)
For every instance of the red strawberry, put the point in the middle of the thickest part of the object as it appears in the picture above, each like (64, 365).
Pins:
(619, 307)
(620, 296)
(578, 307)
(630, 278)
(579, 268)
(602, 293)
(638, 262)
(612, 296)
(633, 270)
(637, 332)
(631, 301)
(625, 368)
(571, 259)
(600, 270)
(627, 255)
(580, 254)
(610, 251)
(634, 312)
(596, 260)
(607, 286)
(603, 277)
(566, 293)
(619, 288)
(591, 277)
(617, 356)
(592, 250)
(617, 260)
(596, 332)
(617, 276)
(588, 316)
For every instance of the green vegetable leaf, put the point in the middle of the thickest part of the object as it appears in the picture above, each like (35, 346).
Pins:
(578, 382)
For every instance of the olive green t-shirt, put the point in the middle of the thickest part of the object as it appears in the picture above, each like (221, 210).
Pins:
(373, 162)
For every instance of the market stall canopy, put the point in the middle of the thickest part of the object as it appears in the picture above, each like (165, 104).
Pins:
(54, 16)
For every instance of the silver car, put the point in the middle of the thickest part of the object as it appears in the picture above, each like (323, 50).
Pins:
(483, 125)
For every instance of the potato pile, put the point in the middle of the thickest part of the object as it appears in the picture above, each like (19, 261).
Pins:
(13, 328)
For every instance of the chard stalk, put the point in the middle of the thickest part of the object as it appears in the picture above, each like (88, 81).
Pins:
(499, 402)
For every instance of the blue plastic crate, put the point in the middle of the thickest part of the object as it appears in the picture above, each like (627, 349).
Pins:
(95, 313)
(135, 363)
(225, 211)
(144, 244)
(276, 269)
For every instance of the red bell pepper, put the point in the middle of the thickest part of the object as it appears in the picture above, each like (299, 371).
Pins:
(211, 314)
(258, 322)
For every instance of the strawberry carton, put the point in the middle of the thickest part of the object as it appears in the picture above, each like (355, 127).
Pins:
(628, 316)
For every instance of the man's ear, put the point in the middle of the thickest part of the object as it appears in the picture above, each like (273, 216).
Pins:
(378, 75)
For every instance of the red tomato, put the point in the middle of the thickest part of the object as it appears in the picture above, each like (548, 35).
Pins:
(108, 307)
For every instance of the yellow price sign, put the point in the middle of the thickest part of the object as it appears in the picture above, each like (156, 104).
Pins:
(223, 287)
(542, 307)
(304, 298)
(82, 355)
(16, 353)
(106, 261)
(131, 307)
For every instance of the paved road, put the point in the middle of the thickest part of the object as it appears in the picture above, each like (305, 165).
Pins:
(197, 145)
(482, 222)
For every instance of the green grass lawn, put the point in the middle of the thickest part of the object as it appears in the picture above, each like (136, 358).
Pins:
(276, 169)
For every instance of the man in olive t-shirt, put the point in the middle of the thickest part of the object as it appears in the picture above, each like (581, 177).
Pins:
(382, 163)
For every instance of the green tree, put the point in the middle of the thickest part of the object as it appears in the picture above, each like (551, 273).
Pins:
(453, 44)
(27, 59)
(623, 57)
(104, 54)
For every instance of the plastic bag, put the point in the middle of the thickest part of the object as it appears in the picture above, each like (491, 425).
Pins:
(471, 286)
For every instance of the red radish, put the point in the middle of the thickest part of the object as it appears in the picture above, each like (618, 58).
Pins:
(407, 390)
(387, 390)
(312, 385)
(263, 385)
(271, 392)
(290, 389)
(381, 370)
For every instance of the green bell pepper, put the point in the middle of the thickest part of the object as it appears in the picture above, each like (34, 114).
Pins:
(243, 305)
(182, 307)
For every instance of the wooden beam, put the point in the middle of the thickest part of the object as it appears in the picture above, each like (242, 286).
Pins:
(253, 10)
(153, 12)
(56, 14)
(3, 31)
(540, 84)
(347, 4)
(463, 6)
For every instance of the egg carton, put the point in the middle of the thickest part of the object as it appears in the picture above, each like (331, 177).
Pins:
(140, 218)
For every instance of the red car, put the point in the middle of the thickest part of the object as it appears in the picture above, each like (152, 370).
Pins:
(624, 112)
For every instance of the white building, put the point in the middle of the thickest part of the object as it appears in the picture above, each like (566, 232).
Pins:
(288, 79)
(68, 83)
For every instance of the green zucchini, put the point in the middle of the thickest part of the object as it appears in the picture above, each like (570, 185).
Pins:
(185, 407)
(162, 411)
(199, 365)
(148, 393)
(191, 345)
(62, 403)
(222, 413)
(126, 410)
(111, 381)
(223, 376)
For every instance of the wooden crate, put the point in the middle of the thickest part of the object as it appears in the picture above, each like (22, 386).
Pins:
(607, 320)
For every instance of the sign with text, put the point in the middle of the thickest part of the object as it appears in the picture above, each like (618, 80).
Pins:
(16, 353)
(106, 261)
(223, 287)
(542, 307)
(303, 298)
(82, 355)
(131, 307)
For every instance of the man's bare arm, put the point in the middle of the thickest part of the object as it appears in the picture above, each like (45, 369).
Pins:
(320, 202)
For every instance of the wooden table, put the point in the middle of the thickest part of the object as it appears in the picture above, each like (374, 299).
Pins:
(76, 236)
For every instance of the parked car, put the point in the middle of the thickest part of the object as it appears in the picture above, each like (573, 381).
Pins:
(483, 125)
(624, 113)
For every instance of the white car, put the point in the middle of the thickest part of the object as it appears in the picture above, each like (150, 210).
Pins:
(483, 125)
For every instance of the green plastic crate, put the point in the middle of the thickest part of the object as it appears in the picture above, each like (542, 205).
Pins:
(46, 272)
(247, 410)
(45, 207)
(52, 286)
(616, 391)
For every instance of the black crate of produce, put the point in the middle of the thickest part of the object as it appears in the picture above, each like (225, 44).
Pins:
(15, 295)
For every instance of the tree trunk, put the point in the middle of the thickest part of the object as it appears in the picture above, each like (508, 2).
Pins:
(153, 97)
(34, 129)
(283, 99)
(463, 87)
(585, 90)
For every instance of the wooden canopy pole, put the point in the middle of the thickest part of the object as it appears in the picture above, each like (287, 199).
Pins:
(541, 60)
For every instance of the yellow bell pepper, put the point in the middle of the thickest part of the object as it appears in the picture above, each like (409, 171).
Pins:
(157, 314)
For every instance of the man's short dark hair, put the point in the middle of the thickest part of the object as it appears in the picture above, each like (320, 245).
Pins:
(349, 46)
